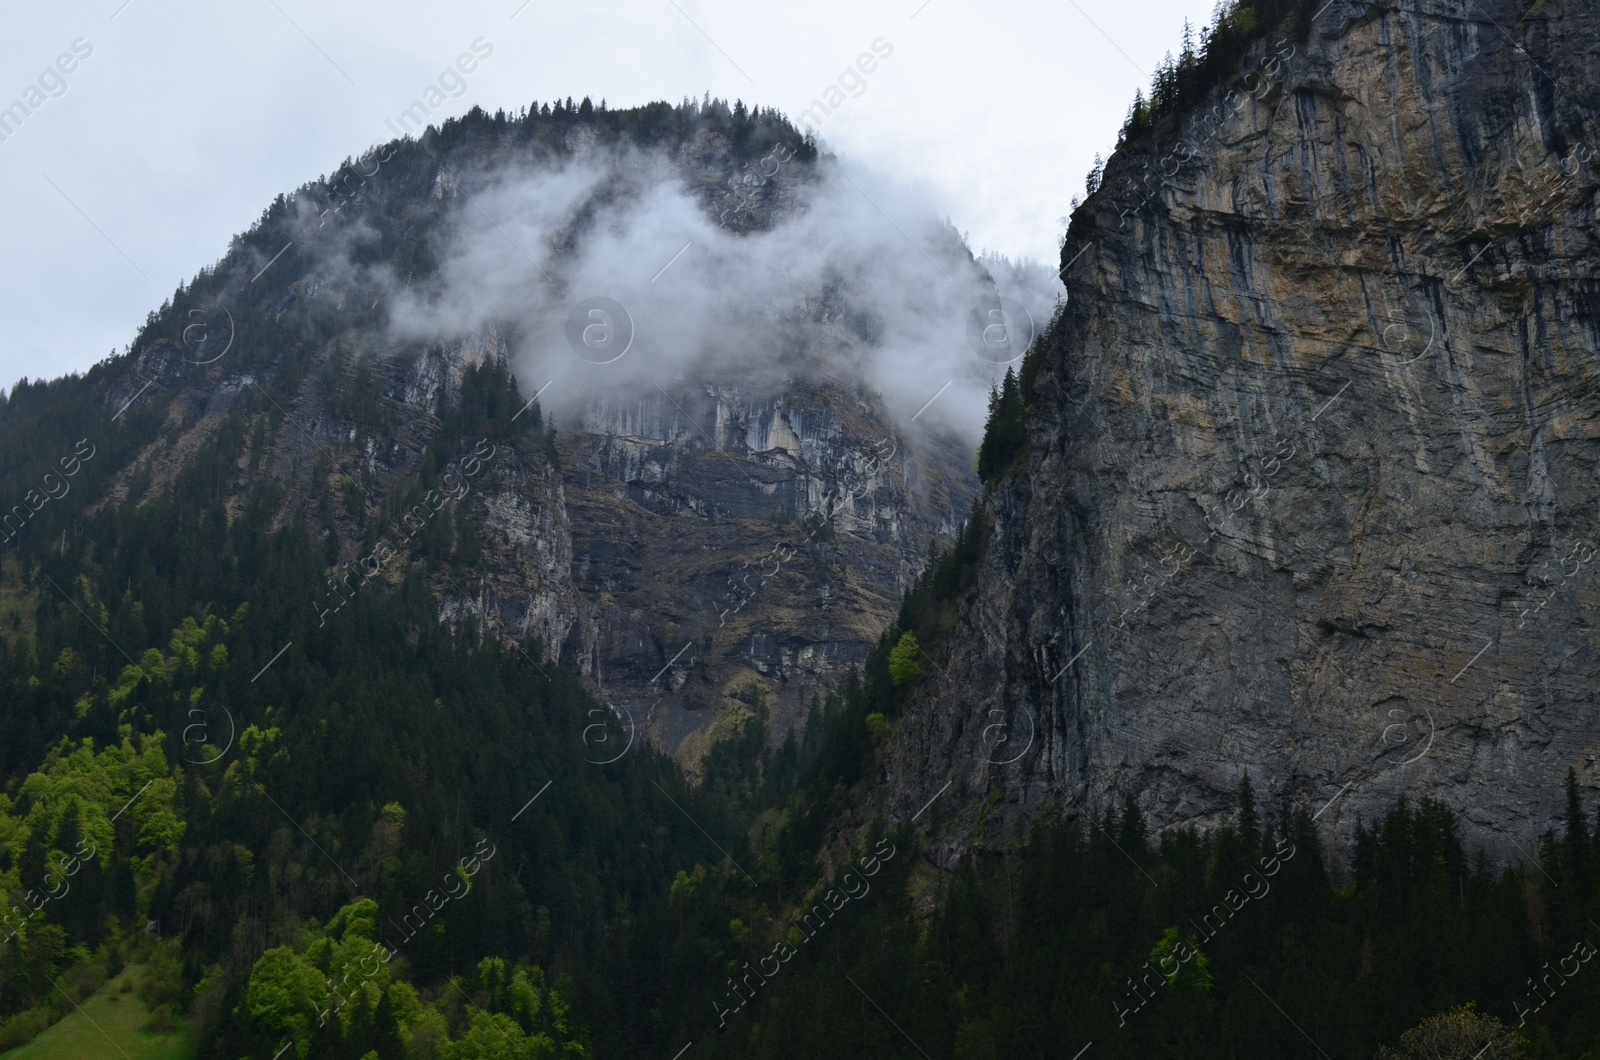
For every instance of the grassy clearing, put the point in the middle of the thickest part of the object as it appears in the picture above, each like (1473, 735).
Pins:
(108, 1013)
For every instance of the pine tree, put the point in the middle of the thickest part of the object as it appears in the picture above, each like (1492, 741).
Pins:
(1131, 831)
(1006, 433)
(387, 1041)
(1163, 94)
(1249, 824)
(1141, 111)
(1577, 838)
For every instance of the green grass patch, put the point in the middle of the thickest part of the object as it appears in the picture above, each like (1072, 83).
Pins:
(108, 1013)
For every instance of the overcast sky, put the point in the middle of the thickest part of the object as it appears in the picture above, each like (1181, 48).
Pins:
(179, 121)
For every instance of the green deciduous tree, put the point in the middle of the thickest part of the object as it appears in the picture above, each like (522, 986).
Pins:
(1461, 1032)
(903, 665)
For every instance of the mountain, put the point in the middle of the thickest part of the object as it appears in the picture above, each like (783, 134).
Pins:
(1306, 485)
(740, 489)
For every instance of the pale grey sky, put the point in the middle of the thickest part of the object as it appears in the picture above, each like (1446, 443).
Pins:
(159, 128)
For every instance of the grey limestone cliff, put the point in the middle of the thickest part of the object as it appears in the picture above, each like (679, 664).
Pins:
(1310, 492)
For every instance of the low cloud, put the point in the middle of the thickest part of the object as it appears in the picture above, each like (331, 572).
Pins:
(856, 276)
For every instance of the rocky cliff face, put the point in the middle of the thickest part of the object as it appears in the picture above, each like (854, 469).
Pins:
(1310, 493)
(768, 535)
(711, 543)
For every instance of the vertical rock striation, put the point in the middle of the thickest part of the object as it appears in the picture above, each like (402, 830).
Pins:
(739, 538)
(1311, 486)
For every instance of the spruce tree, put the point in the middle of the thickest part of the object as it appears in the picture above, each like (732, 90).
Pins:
(1577, 838)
